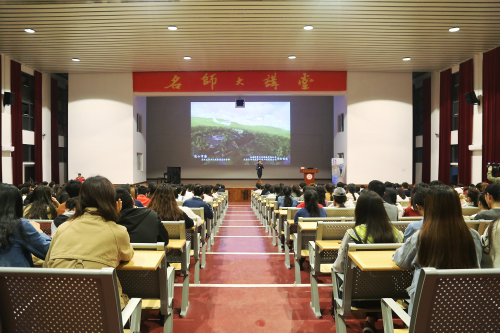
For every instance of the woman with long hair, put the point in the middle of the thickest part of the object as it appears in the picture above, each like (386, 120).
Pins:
(42, 205)
(165, 205)
(19, 239)
(91, 238)
(372, 226)
(472, 198)
(329, 191)
(391, 198)
(322, 195)
(351, 192)
(296, 191)
(444, 241)
(286, 200)
(311, 209)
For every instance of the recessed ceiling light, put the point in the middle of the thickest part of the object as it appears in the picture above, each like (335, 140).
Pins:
(406, 59)
(75, 59)
(187, 58)
(292, 57)
(30, 31)
(308, 27)
(172, 27)
(454, 29)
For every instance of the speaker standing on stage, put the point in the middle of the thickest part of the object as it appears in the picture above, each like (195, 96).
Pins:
(259, 168)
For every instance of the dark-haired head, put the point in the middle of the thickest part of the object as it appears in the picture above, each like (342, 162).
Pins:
(296, 190)
(473, 196)
(418, 198)
(165, 205)
(97, 192)
(390, 195)
(378, 187)
(142, 190)
(11, 211)
(370, 211)
(125, 197)
(340, 184)
(152, 188)
(41, 204)
(73, 188)
(445, 241)
(405, 185)
(311, 202)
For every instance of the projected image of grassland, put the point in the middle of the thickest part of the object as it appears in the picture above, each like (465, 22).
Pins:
(217, 141)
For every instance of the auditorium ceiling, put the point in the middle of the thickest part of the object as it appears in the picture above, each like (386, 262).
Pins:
(123, 36)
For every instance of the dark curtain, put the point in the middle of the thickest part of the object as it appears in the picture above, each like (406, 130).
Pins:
(426, 132)
(465, 114)
(491, 108)
(445, 126)
(17, 123)
(54, 130)
(38, 128)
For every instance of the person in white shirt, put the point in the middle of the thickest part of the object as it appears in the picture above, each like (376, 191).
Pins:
(207, 196)
(189, 194)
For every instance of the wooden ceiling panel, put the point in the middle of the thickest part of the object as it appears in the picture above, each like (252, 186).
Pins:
(368, 35)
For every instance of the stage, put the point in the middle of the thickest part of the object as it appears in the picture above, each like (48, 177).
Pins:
(240, 189)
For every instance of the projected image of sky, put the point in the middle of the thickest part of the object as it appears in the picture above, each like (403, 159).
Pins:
(223, 134)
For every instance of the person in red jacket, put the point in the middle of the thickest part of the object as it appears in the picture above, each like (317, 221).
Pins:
(80, 178)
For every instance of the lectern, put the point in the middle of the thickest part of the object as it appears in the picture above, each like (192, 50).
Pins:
(309, 175)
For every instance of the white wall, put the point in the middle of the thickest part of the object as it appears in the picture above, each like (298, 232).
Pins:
(340, 139)
(379, 130)
(139, 138)
(46, 129)
(435, 81)
(6, 123)
(100, 123)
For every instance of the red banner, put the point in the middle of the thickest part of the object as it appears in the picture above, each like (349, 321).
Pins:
(273, 81)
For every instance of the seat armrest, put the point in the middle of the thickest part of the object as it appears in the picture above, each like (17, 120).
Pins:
(312, 249)
(388, 306)
(133, 312)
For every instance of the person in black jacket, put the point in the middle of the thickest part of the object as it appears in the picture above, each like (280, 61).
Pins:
(259, 168)
(143, 224)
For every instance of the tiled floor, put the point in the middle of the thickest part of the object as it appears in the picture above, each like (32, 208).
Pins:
(245, 287)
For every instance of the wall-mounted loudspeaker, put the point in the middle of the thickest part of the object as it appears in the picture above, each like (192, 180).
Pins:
(9, 98)
(471, 98)
(240, 103)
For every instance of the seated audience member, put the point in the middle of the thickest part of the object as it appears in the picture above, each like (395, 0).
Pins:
(311, 208)
(287, 200)
(258, 188)
(52, 185)
(273, 192)
(42, 205)
(361, 189)
(378, 187)
(406, 188)
(24, 192)
(444, 241)
(207, 193)
(351, 192)
(481, 204)
(266, 190)
(409, 211)
(491, 243)
(303, 203)
(69, 211)
(151, 189)
(133, 193)
(196, 218)
(222, 189)
(91, 239)
(165, 205)
(189, 192)
(472, 198)
(322, 195)
(418, 206)
(329, 191)
(492, 197)
(372, 226)
(296, 193)
(197, 202)
(401, 195)
(143, 225)
(340, 184)
(391, 198)
(339, 198)
(302, 186)
(142, 197)
(19, 239)
(73, 190)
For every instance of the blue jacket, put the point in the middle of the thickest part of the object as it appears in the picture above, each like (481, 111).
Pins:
(197, 202)
(412, 227)
(304, 213)
(406, 257)
(281, 202)
(18, 254)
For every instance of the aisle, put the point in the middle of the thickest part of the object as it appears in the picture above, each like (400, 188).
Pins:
(246, 287)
